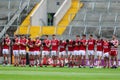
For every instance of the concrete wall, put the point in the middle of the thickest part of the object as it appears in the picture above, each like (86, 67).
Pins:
(39, 16)
(52, 6)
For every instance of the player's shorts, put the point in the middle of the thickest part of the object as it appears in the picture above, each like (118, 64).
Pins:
(113, 53)
(70, 53)
(16, 52)
(45, 53)
(36, 52)
(53, 53)
(82, 52)
(106, 54)
(31, 52)
(91, 52)
(62, 53)
(76, 52)
(5, 51)
(22, 52)
(99, 53)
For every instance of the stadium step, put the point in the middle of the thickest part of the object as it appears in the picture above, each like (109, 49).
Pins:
(34, 31)
(69, 16)
(23, 28)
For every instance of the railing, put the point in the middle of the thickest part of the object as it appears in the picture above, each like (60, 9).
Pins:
(61, 11)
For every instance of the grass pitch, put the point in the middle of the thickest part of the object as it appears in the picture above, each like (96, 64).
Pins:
(50, 73)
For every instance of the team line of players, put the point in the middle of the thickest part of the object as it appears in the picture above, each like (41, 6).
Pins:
(58, 50)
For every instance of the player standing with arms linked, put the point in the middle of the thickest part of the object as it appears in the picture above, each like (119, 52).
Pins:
(62, 53)
(91, 50)
(99, 52)
(5, 51)
(23, 44)
(31, 44)
(114, 51)
(15, 47)
(46, 50)
(70, 55)
(76, 51)
(106, 52)
(37, 53)
(82, 51)
(54, 49)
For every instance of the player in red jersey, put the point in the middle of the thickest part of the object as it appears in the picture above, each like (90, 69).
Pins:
(70, 52)
(37, 54)
(31, 44)
(5, 51)
(54, 50)
(114, 51)
(82, 51)
(106, 50)
(76, 50)
(99, 44)
(62, 53)
(23, 44)
(46, 50)
(16, 43)
(91, 50)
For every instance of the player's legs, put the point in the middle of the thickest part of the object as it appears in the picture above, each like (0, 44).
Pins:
(23, 58)
(45, 57)
(91, 58)
(31, 58)
(114, 59)
(106, 60)
(16, 57)
(69, 57)
(54, 58)
(83, 58)
(62, 56)
(99, 56)
(38, 58)
(6, 56)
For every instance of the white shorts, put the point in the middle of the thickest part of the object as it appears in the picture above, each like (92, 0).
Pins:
(82, 52)
(16, 52)
(99, 53)
(70, 52)
(45, 53)
(5, 51)
(91, 52)
(36, 52)
(31, 52)
(53, 53)
(106, 54)
(76, 52)
(22, 51)
(62, 53)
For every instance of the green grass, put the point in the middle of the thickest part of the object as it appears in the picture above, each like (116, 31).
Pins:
(49, 73)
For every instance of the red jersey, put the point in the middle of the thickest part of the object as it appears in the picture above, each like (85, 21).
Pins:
(37, 48)
(76, 46)
(114, 42)
(63, 46)
(99, 45)
(70, 45)
(106, 47)
(91, 44)
(47, 44)
(7, 41)
(55, 44)
(83, 43)
(15, 45)
(23, 43)
(31, 45)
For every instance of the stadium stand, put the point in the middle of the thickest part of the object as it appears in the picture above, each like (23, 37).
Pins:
(99, 17)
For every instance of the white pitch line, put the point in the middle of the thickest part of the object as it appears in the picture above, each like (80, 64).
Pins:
(57, 73)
